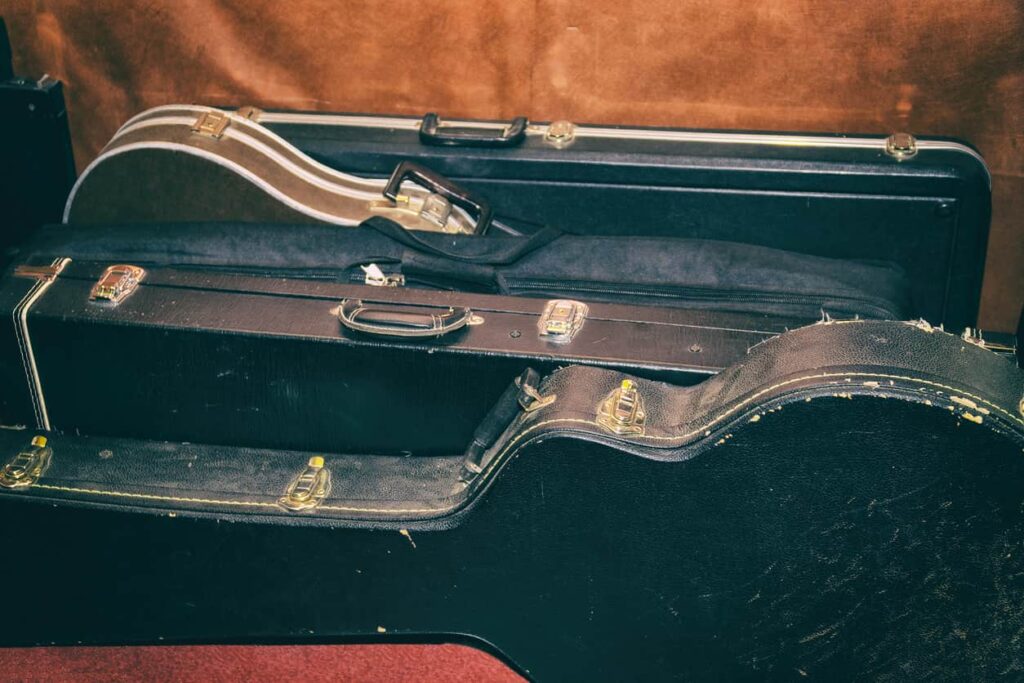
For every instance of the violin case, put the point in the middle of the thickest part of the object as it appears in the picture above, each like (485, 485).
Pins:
(244, 429)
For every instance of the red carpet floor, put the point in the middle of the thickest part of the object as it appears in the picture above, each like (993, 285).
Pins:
(207, 664)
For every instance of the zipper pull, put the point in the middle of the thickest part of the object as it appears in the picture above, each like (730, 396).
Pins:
(375, 277)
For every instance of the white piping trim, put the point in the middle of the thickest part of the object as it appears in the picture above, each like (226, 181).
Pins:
(218, 160)
(28, 356)
(667, 135)
(150, 112)
(374, 186)
(374, 191)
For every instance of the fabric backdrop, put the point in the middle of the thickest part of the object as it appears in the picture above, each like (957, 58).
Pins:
(873, 66)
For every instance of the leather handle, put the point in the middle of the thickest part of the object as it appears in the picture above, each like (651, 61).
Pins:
(389, 320)
(433, 133)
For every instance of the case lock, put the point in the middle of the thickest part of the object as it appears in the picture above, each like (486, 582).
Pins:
(560, 134)
(28, 466)
(309, 488)
(117, 283)
(212, 124)
(901, 146)
(561, 320)
(622, 412)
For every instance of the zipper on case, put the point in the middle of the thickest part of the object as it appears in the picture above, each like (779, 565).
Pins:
(837, 303)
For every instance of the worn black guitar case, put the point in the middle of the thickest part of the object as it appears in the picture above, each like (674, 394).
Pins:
(843, 501)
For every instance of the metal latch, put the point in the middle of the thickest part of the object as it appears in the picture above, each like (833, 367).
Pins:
(211, 124)
(530, 399)
(622, 412)
(436, 209)
(375, 277)
(974, 336)
(44, 273)
(562, 319)
(560, 133)
(27, 466)
(901, 146)
(117, 283)
(309, 488)
(249, 112)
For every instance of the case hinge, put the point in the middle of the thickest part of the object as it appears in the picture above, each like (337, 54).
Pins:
(622, 411)
(249, 112)
(44, 273)
(28, 466)
(309, 488)
(117, 283)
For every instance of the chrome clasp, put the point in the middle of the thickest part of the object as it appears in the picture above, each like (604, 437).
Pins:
(28, 466)
(309, 488)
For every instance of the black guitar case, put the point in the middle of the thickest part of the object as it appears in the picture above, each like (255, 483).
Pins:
(845, 501)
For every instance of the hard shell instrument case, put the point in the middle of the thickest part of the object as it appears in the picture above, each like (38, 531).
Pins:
(921, 204)
(269, 382)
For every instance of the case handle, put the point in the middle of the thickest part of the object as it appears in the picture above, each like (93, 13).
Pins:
(388, 320)
(432, 133)
(478, 208)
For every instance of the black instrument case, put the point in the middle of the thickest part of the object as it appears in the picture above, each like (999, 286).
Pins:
(920, 203)
(618, 491)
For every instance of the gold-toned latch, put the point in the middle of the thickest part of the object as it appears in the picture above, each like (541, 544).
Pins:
(117, 283)
(622, 411)
(560, 133)
(901, 146)
(437, 210)
(211, 124)
(250, 112)
(28, 466)
(39, 272)
(309, 488)
(561, 320)
(432, 213)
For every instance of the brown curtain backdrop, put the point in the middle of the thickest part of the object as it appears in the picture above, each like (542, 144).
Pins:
(874, 66)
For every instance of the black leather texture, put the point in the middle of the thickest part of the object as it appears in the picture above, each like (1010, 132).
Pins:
(264, 362)
(857, 361)
(846, 502)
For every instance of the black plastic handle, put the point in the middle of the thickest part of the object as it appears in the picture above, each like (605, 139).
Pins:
(433, 133)
(402, 321)
(478, 208)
